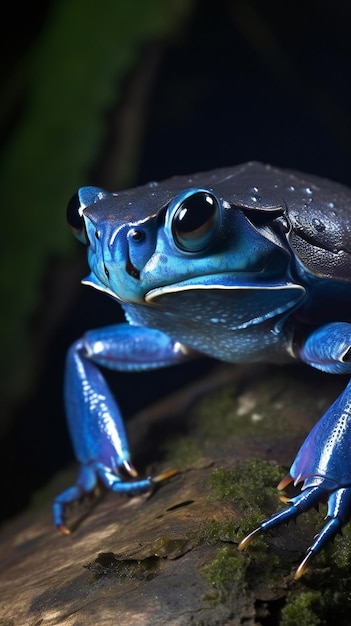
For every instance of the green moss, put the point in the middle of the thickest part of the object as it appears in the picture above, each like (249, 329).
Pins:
(245, 482)
(252, 485)
(227, 568)
(341, 551)
(252, 489)
(212, 531)
(304, 609)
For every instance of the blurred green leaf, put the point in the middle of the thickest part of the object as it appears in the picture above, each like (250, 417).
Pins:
(74, 75)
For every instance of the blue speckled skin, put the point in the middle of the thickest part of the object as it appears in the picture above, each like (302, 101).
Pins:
(249, 262)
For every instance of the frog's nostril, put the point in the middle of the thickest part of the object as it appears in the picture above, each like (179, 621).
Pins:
(136, 235)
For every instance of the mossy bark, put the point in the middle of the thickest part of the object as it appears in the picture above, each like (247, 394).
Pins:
(171, 556)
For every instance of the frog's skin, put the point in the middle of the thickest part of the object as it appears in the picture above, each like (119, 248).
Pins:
(244, 263)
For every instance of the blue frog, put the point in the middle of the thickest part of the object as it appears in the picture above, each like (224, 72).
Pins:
(248, 263)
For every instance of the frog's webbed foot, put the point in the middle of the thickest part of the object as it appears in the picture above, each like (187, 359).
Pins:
(88, 479)
(339, 511)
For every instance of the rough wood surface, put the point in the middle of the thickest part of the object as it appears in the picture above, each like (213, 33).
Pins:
(171, 556)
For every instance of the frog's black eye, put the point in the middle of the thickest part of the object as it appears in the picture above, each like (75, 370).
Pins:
(196, 221)
(74, 215)
(75, 218)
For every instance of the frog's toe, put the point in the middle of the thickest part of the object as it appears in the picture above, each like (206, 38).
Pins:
(61, 504)
(296, 506)
(132, 484)
(339, 512)
(328, 532)
(88, 479)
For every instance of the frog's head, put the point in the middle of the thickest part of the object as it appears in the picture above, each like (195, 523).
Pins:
(159, 239)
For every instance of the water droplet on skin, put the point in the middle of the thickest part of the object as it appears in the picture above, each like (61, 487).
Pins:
(318, 224)
(331, 205)
(309, 191)
(291, 188)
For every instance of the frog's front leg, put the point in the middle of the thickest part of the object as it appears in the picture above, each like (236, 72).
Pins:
(95, 423)
(323, 462)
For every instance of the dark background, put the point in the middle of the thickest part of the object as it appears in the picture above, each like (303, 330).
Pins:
(225, 82)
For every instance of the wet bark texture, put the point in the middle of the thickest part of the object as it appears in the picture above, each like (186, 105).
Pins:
(171, 556)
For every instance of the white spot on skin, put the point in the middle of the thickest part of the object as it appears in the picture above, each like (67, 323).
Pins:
(98, 347)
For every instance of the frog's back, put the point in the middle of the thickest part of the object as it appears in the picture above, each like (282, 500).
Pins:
(319, 210)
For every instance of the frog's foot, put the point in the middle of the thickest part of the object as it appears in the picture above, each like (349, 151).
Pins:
(88, 479)
(339, 512)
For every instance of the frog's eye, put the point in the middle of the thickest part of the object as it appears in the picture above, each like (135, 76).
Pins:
(85, 197)
(196, 221)
(75, 218)
(74, 215)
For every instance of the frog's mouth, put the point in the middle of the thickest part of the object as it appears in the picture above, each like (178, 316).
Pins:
(238, 305)
(227, 282)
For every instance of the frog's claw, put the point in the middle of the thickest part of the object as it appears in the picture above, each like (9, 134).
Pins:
(328, 532)
(339, 511)
(129, 468)
(164, 476)
(87, 482)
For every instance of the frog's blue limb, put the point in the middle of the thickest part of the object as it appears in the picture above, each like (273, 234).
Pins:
(326, 453)
(324, 460)
(339, 512)
(329, 348)
(95, 423)
(298, 505)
